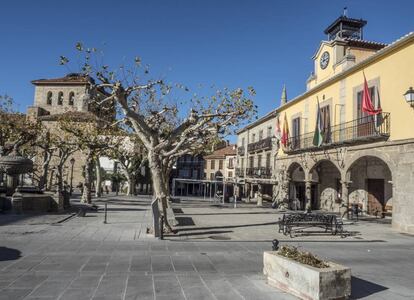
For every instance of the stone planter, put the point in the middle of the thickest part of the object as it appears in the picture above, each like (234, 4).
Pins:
(304, 281)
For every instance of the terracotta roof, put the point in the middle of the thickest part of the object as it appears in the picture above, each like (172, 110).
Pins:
(365, 44)
(69, 79)
(223, 152)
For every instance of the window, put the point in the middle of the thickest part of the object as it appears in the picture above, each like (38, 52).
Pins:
(253, 137)
(243, 141)
(242, 163)
(71, 98)
(220, 164)
(269, 131)
(268, 160)
(260, 135)
(251, 165)
(212, 176)
(49, 98)
(231, 174)
(259, 161)
(60, 98)
(230, 162)
(212, 164)
(296, 133)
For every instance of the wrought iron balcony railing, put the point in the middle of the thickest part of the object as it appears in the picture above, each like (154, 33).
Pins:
(361, 130)
(263, 144)
(239, 172)
(262, 172)
(240, 150)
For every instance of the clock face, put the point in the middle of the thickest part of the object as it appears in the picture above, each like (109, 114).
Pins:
(324, 60)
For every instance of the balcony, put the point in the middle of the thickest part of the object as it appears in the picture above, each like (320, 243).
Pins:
(240, 150)
(363, 130)
(239, 172)
(261, 172)
(263, 144)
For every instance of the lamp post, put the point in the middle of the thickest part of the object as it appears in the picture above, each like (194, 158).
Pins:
(72, 162)
(409, 96)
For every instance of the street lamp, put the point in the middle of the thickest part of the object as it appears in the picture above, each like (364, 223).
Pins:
(409, 96)
(72, 162)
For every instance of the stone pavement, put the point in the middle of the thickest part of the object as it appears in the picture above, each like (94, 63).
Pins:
(82, 258)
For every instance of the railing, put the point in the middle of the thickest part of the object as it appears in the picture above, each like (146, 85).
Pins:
(261, 172)
(240, 150)
(260, 145)
(239, 172)
(361, 130)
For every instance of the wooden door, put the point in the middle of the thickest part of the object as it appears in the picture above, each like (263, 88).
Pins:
(376, 197)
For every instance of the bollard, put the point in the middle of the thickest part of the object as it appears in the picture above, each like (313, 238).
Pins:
(105, 213)
(275, 245)
(162, 228)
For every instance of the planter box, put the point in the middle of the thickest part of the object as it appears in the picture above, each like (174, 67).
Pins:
(304, 281)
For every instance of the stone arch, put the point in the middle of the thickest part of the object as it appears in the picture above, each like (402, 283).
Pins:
(326, 189)
(71, 98)
(370, 174)
(49, 98)
(373, 153)
(60, 98)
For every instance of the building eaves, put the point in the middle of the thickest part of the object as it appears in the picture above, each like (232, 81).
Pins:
(266, 117)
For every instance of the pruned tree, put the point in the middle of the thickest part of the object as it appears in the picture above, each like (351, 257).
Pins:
(91, 136)
(130, 153)
(167, 121)
(15, 129)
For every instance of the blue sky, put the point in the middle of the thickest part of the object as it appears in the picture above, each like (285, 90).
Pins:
(256, 43)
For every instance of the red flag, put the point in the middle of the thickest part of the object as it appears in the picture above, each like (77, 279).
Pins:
(285, 133)
(367, 101)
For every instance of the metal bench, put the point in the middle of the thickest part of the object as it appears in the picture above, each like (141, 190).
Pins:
(297, 222)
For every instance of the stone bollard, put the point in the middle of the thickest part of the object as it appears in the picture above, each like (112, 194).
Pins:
(17, 203)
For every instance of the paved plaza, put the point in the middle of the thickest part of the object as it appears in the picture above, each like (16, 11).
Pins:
(217, 254)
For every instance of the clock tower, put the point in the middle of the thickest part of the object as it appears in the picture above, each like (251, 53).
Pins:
(345, 46)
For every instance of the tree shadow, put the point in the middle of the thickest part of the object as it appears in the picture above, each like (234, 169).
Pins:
(362, 288)
(188, 234)
(9, 254)
(228, 226)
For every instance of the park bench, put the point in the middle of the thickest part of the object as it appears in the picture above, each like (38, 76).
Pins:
(292, 223)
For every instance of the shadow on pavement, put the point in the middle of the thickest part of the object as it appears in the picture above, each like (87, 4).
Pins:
(362, 288)
(9, 254)
(228, 226)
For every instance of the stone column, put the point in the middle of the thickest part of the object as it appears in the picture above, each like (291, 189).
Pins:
(260, 195)
(308, 194)
(345, 197)
(247, 192)
(11, 182)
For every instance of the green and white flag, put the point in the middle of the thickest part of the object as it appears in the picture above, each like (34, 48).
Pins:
(318, 137)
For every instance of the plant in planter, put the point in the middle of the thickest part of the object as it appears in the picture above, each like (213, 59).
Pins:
(305, 275)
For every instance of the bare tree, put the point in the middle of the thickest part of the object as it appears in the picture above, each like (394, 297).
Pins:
(168, 124)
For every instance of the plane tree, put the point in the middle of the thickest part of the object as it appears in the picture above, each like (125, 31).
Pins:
(167, 118)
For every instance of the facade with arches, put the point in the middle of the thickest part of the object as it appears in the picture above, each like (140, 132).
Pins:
(358, 158)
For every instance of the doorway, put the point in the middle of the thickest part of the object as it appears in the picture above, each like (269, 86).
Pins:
(376, 203)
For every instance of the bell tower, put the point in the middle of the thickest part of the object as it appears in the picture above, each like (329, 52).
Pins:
(344, 27)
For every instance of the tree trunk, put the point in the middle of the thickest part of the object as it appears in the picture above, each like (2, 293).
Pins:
(159, 187)
(131, 184)
(87, 182)
(98, 189)
(45, 169)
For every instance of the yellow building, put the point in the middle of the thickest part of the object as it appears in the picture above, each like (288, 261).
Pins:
(364, 159)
